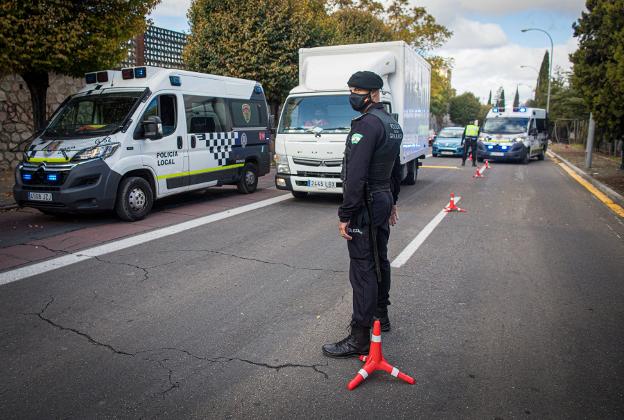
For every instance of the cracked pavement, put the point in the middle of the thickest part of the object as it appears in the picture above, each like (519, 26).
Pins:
(226, 320)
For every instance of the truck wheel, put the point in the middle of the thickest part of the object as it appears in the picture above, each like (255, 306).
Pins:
(412, 172)
(134, 199)
(249, 179)
(299, 194)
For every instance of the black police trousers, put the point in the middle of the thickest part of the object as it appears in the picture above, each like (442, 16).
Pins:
(369, 295)
(470, 143)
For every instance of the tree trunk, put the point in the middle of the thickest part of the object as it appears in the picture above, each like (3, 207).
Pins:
(38, 83)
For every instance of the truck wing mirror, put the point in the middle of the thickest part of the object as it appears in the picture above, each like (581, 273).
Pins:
(152, 128)
(395, 116)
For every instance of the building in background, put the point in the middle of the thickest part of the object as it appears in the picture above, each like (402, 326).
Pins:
(157, 47)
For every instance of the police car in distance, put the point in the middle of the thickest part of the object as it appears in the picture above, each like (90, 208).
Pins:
(132, 136)
(517, 133)
(448, 142)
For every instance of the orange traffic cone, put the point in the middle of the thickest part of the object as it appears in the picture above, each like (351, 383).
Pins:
(470, 157)
(375, 361)
(487, 164)
(452, 207)
(479, 172)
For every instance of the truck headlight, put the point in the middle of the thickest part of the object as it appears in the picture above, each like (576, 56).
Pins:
(282, 164)
(519, 139)
(102, 152)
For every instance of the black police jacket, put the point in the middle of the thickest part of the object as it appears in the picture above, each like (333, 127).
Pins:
(371, 159)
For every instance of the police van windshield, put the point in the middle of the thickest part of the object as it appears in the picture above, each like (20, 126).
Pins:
(92, 115)
(332, 113)
(505, 125)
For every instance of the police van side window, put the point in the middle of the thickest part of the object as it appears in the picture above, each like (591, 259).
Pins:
(164, 107)
(541, 125)
(206, 114)
(251, 113)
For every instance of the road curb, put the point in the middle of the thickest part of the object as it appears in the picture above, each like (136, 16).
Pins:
(613, 195)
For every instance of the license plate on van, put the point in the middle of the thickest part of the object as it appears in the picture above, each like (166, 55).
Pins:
(497, 154)
(321, 184)
(37, 196)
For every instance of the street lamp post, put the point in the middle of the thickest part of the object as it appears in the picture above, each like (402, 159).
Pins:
(549, 62)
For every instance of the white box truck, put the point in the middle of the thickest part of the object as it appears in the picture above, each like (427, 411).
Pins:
(316, 116)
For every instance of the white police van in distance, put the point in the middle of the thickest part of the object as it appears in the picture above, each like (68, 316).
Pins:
(518, 133)
(132, 136)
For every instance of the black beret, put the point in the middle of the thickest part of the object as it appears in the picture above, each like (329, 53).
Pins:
(365, 80)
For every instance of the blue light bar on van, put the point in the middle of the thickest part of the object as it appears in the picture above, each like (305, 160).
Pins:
(52, 177)
(127, 74)
(140, 72)
(26, 177)
(495, 109)
(90, 78)
(102, 76)
(175, 81)
(258, 89)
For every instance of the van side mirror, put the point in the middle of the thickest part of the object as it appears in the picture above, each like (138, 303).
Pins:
(152, 128)
(395, 116)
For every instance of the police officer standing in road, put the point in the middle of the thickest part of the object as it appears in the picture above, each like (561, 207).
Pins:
(469, 140)
(371, 182)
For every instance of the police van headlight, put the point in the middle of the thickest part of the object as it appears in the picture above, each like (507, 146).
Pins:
(282, 164)
(97, 152)
(519, 139)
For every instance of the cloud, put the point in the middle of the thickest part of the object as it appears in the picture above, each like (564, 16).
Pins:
(480, 70)
(472, 34)
(172, 8)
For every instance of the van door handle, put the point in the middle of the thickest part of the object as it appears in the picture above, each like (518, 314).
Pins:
(179, 142)
(193, 144)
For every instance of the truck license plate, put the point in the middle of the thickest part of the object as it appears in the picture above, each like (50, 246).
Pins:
(497, 154)
(321, 184)
(36, 196)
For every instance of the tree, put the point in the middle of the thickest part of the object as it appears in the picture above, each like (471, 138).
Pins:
(441, 90)
(254, 40)
(464, 108)
(489, 102)
(541, 87)
(599, 65)
(516, 101)
(355, 26)
(500, 98)
(65, 37)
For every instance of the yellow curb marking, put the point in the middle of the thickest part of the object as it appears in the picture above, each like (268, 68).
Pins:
(439, 167)
(616, 208)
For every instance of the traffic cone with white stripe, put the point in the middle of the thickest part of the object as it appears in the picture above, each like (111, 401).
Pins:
(479, 172)
(452, 207)
(470, 156)
(487, 164)
(375, 361)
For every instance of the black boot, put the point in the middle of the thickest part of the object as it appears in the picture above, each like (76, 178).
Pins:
(463, 163)
(384, 320)
(474, 163)
(355, 344)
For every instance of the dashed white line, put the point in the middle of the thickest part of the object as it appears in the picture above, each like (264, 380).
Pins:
(413, 246)
(52, 264)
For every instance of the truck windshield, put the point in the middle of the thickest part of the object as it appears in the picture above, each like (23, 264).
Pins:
(505, 125)
(305, 114)
(92, 115)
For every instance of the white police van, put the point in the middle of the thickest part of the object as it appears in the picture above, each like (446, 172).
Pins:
(517, 133)
(132, 136)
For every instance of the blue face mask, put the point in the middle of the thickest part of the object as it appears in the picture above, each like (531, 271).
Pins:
(358, 101)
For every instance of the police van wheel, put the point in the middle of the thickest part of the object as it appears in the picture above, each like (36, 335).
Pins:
(249, 179)
(527, 156)
(541, 155)
(134, 199)
(412, 172)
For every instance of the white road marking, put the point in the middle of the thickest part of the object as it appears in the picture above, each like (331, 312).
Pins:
(413, 246)
(53, 264)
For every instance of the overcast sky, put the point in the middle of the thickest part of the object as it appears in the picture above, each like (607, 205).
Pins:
(487, 46)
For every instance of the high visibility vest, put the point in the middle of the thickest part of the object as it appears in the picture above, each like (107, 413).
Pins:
(472, 130)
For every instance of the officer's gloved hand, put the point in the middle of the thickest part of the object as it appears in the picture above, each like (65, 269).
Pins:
(394, 216)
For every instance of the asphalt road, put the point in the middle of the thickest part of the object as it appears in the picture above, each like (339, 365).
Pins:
(512, 310)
